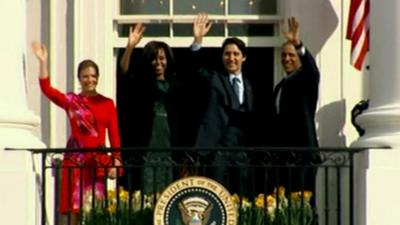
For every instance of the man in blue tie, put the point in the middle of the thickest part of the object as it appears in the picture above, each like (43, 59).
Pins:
(230, 99)
(226, 119)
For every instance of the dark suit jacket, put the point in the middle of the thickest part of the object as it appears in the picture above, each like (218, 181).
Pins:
(225, 121)
(298, 100)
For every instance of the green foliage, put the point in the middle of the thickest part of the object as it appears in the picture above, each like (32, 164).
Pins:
(276, 209)
(137, 209)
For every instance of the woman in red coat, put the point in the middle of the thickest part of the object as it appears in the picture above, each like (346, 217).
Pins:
(90, 114)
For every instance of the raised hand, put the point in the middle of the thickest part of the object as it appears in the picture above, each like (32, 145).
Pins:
(40, 51)
(135, 34)
(41, 54)
(201, 26)
(134, 37)
(293, 33)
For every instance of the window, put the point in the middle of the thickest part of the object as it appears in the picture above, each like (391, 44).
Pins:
(255, 21)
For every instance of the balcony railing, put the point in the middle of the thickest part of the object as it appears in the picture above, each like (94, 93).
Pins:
(321, 179)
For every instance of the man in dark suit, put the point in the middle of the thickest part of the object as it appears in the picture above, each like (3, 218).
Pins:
(296, 98)
(230, 96)
(296, 95)
(230, 101)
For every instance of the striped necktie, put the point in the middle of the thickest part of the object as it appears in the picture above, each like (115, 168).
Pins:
(236, 88)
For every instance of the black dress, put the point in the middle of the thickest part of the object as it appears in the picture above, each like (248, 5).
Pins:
(157, 173)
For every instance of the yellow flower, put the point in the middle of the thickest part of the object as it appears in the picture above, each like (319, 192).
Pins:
(295, 196)
(123, 196)
(111, 194)
(298, 195)
(235, 198)
(243, 202)
(136, 195)
(112, 208)
(136, 200)
(246, 204)
(259, 201)
(281, 191)
(307, 196)
(271, 202)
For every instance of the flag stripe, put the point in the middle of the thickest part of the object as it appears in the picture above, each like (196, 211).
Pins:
(354, 5)
(356, 46)
(363, 52)
(358, 31)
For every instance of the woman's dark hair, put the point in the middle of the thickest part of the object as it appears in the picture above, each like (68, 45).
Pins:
(86, 64)
(236, 41)
(150, 53)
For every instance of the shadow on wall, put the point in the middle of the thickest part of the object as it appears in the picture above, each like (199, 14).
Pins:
(330, 122)
(318, 20)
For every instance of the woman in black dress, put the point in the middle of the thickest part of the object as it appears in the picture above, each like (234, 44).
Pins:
(151, 84)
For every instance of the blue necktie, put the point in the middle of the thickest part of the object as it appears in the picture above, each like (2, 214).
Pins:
(235, 86)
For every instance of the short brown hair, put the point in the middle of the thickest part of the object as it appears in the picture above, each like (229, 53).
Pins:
(86, 64)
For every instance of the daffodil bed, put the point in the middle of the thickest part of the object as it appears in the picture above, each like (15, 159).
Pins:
(276, 209)
(137, 209)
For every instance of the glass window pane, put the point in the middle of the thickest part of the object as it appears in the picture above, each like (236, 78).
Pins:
(185, 7)
(135, 7)
(186, 30)
(251, 30)
(152, 30)
(257, 7)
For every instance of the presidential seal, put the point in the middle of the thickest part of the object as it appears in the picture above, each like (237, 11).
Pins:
(195, 201)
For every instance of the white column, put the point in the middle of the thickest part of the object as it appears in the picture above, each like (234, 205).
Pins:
(16, 120)
(376, 182)
(382, 120)
(17, 174)
(378, 170)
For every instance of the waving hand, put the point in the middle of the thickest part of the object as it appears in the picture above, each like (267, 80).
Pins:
(135, 34)
(293, 33)
(41, 54)
(40, 51)
(201, 26)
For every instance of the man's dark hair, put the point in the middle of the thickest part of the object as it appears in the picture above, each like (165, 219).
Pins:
(236, 41)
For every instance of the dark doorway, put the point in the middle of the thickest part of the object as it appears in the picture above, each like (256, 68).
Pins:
(259, 68)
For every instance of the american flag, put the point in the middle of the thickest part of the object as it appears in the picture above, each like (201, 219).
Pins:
(358, 31)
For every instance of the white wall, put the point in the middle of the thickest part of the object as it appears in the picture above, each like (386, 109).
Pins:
(341, 86)
(18, 168)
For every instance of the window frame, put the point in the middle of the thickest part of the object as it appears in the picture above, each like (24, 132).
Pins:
(171, 18)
